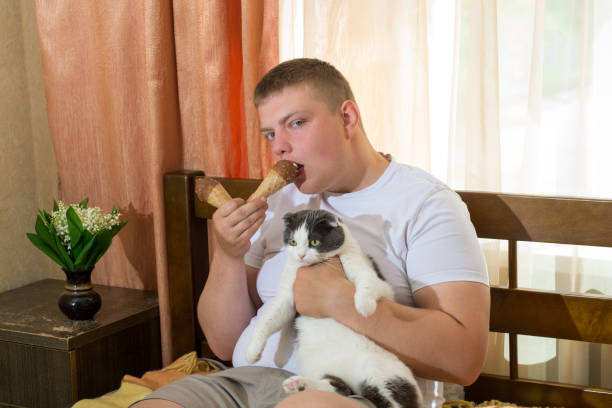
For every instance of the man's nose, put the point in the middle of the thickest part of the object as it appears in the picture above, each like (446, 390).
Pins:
(280, 145)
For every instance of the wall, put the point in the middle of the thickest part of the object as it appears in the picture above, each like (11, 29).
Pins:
(28, 173)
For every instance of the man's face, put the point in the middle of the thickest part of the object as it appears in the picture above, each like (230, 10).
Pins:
(301, 129)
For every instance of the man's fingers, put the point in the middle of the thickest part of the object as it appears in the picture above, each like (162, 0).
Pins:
(248, 232)
(246, 211)
(251, 223)
(228, 208)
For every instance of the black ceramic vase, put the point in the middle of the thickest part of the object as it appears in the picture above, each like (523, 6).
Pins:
(79, 301)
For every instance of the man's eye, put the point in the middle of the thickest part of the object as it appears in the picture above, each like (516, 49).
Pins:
(314, 243)
(292, 242)
(269, 135)
(297, 123)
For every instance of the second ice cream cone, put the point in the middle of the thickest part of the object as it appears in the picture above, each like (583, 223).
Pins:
(211, 191)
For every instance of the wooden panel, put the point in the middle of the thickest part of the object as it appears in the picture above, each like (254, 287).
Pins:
(187, 255)
(242, 188)
(537, 393)
(101, 365)
(548, 314)
(540, 219)
(32, 376)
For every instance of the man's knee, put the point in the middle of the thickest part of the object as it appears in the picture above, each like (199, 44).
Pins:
(155, 403)
(319, 399)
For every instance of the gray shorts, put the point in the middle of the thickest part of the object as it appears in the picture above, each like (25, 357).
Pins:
(242, 387)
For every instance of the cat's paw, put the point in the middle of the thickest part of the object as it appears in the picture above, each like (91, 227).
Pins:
(253, 352)
(295, 384)
(383, 290)
(365, 302)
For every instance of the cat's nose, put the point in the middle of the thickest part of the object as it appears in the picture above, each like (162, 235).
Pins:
(302, 256)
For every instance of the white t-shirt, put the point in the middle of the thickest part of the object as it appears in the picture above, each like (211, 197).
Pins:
(415, 228)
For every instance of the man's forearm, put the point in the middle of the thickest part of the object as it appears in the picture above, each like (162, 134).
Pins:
(225, 308)
(433, 343)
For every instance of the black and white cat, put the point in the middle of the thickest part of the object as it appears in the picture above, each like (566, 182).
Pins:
(331, 356)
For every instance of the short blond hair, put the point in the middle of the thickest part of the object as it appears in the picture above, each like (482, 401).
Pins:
(326, 82)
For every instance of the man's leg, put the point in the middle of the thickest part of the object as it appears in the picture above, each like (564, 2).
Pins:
(154, 403)
(321, 399)
(240, 387)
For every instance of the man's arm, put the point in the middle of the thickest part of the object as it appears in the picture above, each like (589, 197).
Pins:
(229, 299)
(443, 338)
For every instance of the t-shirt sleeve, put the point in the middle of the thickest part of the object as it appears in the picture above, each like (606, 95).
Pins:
(442, 243)
(254, 257)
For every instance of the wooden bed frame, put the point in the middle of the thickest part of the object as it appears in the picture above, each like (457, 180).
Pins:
(514, 311)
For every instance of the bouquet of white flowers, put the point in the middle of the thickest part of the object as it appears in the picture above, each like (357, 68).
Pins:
(75, 236)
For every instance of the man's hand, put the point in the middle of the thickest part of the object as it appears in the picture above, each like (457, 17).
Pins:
(236, 222)
(321, 289)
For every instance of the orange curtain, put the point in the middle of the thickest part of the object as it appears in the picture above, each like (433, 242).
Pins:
(136, 89)
(223, 48)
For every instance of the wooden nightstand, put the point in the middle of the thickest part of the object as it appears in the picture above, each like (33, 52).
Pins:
(47, 360)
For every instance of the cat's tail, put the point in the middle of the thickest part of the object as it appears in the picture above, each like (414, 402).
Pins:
(396, 392)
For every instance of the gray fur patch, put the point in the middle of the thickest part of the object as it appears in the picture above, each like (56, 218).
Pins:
(339, 385)
(403, 392)
(373, 395)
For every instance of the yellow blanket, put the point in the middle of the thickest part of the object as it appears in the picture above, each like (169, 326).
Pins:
(134, 388)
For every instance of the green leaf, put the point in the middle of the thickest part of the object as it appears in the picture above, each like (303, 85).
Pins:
(42, 229)
(114, 210)
(77, 251)
(39, 243)
(55, 206)
(46, 216)
(88, 240)
(83, 204)
(64, 254)
(75, 227)
(103, 241)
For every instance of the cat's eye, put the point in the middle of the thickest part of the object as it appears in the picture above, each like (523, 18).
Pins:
(292, 242)
(314, 243)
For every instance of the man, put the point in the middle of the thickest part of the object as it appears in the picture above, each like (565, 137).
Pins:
(416, 229)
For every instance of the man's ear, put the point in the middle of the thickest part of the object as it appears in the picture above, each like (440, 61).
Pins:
(350, 116)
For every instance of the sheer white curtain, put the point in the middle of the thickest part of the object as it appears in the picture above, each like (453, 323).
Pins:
(506, 95)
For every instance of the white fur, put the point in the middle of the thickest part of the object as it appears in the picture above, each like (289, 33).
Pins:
(324, 346)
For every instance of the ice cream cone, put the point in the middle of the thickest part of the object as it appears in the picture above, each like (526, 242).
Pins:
(211, 191)
(283, 173)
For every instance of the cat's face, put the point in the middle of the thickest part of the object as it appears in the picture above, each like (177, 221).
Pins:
(311, 235)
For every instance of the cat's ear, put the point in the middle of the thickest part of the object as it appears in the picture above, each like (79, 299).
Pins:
(330, 221)
(334, 220)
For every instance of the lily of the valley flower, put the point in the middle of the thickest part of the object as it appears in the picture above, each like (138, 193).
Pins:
(75, 236)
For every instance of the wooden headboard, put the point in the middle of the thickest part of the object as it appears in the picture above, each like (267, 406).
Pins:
(515, 311)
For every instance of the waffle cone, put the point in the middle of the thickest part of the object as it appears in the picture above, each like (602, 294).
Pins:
(270, 185)
(210, 191)
(286, 169)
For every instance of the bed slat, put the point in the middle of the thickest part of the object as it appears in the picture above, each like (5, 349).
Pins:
(540, 219)
(187, 256)
(549, 314)
(540, 393)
